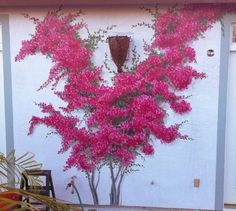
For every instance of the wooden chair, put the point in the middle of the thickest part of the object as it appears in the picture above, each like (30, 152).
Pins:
(46, 189)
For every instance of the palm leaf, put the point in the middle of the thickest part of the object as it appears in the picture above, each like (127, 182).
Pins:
(54, 204)
(16, 169)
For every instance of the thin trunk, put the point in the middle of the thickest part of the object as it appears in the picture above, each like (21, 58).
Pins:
(98, 180)
(116, 180)
(92, 187)
(113, 185)
(119, 185)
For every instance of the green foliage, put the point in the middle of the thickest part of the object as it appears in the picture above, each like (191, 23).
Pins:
(98, 36)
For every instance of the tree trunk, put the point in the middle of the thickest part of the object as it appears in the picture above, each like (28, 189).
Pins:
(93, 186)
(116, 181)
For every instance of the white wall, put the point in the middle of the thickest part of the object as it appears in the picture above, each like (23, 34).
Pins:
(167, 179)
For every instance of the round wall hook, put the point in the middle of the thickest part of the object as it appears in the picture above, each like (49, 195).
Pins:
(210, 52)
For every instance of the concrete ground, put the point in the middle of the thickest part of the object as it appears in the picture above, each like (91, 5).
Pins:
(141, 209)
(126, 208)
(103, 208)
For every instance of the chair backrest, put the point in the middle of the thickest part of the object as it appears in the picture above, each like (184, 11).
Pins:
(46, 188)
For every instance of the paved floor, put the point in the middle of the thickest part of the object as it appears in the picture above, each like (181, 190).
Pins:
(141, 209)
(87, 208)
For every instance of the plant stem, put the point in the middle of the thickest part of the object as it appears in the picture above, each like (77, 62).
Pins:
(93, 188)
(116, 181)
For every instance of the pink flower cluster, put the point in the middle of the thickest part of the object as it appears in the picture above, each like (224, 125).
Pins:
(178, 27)
(123, 116)
(55, 37)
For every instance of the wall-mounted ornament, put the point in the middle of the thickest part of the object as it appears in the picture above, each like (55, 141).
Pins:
(119, 46)
(210, 52)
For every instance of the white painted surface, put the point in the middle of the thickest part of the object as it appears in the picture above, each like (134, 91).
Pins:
(2, 102)
(230, 146)
(167, 178)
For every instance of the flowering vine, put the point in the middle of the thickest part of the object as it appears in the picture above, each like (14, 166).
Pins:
(120, 118)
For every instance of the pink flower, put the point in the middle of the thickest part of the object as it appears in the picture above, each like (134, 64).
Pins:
(181, 107)
(173, 56)
(148, 149)
(125, 156)
(180, 77)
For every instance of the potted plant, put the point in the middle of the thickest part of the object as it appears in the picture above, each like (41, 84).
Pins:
(7, 199)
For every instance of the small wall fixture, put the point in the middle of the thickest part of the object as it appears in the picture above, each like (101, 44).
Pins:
(210, 53)
(196, 183)
(119, 46)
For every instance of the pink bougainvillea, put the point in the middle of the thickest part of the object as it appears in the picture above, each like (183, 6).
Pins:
(120, 118)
